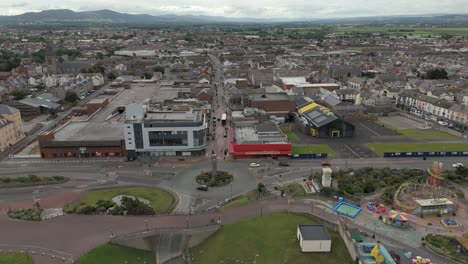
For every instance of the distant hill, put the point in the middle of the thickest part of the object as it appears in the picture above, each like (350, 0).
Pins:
(65, 16)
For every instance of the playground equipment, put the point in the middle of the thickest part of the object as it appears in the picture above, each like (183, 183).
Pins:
(397, 219)
(449, 222)
(410, 196)
(376, 207)
(371, 253)
(344, 208)
(420, 260)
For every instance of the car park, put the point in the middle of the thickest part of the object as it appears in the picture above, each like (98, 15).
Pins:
(254, 165)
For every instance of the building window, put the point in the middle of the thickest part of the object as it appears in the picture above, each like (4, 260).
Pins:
(167, 138)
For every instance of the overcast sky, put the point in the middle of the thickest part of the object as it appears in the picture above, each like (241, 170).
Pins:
(247, 8)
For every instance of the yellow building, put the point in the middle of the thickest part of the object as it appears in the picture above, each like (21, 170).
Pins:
(11, 127)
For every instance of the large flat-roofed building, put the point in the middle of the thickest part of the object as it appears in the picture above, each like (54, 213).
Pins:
(164, 133)
(258, 140)
(278, 104)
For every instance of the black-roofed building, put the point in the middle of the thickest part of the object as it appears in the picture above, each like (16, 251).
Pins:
(319, 121)
(313, 238)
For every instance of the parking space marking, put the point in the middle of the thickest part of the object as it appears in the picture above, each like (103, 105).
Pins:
(352, 150)
(370, 129)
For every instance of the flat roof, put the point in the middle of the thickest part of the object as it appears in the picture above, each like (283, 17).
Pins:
(97, 101)
(313, 232)
(270, 97)
(436, 201)
(263, 133)
(173, 116)
(294, 80)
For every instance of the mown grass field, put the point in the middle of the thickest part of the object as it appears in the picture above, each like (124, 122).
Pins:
(380, 148)
(109, 253)
(15, 258)
(161, 201)
(312, 149)
(267, 239)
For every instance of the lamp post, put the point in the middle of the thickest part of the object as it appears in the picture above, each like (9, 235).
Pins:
(146, 223)
(231, 190)
(255, 259)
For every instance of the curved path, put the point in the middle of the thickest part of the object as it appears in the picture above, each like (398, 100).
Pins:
(77, 234)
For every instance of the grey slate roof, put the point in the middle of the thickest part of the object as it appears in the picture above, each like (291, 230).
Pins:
(7, 110)
(313, 232)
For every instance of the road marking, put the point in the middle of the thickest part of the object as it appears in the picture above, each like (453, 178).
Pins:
(352, 150)
(369, 129)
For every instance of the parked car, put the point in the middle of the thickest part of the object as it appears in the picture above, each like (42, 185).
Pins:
(202, 188)
(442, 123)
(254, 165)
(325, 164)
(456, 165)
(283, 164)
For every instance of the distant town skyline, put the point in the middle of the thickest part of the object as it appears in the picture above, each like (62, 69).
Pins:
(270, 9)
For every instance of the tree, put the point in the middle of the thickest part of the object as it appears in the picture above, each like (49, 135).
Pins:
(261, 188)
(158, 68)
(111, 76)
(71, 97)
(436, 74)
(147, 75)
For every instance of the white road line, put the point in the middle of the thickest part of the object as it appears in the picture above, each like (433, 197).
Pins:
(352, 151)
(369, 129)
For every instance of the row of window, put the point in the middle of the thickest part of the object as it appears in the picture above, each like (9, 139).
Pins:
(85, 154)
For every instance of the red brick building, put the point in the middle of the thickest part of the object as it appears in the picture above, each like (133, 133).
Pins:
(50, 149)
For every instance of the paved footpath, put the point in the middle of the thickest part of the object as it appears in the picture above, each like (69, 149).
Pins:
(77, 234)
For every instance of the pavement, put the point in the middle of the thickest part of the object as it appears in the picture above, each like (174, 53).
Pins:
(77, 234)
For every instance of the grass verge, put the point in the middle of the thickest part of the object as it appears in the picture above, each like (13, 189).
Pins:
(292, 137)
(15, 258)
(248, 198)
(109, 253)
(380, 148)
(161, 201)
(446, 246)
(312, 149)
(271, 237)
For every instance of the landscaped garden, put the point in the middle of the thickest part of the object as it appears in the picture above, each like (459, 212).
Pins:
(364, 181)
(257, 195)
(100, 201)
(312, 149)
(294, 190)
(15, 258)
(445, 245)
(109, 253)
(380, 148)
(31, 179)
(267, 239)
(221, 178)
(31, 214)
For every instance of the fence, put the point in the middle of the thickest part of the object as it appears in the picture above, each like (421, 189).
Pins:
(310, 156)
(425, 154)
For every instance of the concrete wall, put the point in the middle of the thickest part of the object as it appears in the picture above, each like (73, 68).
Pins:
(316, 246)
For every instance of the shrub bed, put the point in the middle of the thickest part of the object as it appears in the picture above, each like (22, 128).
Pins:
(221, 178)
(129, 206)
(31, 179)
(31, 214)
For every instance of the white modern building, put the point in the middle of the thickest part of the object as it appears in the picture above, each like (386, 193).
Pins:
(164, 133)
(313, 238)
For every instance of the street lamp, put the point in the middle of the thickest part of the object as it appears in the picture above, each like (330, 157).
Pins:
(255, 259)
(231, 190)
(146, 223)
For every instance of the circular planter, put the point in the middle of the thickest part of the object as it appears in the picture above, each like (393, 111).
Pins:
(221, 178)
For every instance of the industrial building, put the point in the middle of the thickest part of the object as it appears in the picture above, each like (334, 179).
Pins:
(318, 121)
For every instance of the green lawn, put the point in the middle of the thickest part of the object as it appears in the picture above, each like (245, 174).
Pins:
(380, 148)
(248, 198)
(272, 237)
(417, 133)
(312, 149)
(292, 137)
(295, 190)
(109, 253)
(161, 201)
(15, 258)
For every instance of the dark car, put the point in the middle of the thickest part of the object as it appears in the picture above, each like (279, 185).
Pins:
(325, 163)
(202, 188)
(283, 164)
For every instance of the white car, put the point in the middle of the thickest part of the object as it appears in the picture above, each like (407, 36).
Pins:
(442, 123)
(254, 165)
(456, 165)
